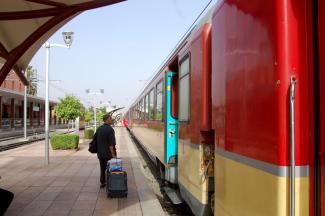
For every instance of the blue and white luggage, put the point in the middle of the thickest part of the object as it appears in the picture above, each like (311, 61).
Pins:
(114, 164)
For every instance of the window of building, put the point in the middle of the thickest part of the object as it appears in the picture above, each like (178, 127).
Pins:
(151, 105)
(184, 90)
(159, 99)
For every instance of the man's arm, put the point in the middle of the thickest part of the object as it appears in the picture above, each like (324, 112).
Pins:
(112, 143)
(113, 151)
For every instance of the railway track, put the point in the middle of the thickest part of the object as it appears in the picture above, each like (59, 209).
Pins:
(16, 136)
(19, 143)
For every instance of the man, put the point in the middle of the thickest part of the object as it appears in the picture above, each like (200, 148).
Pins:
(106, 150)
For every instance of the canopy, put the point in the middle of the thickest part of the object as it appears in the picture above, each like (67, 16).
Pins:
(26, 24)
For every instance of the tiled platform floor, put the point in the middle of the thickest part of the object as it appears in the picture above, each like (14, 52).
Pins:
(70, 184)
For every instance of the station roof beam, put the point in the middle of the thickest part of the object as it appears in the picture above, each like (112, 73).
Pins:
(27, 24)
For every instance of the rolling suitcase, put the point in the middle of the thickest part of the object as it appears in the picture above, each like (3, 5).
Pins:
(116, 184)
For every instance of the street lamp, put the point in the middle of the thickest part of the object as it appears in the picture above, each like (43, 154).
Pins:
(107, 105)
(101, 91)
(67, 37)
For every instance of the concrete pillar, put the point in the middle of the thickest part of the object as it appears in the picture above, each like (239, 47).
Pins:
(12, 113)
(21, 110)
(0, 112)
(31, 114)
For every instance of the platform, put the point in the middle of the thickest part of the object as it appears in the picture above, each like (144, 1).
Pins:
(70, 184)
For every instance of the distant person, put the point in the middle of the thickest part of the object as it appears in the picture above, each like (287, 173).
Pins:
(106, 150)
(125, 123)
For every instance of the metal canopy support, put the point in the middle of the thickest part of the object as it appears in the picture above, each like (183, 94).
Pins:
(60, 15)
(25, 111)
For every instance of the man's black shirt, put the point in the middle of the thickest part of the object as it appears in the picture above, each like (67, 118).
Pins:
(105, 136)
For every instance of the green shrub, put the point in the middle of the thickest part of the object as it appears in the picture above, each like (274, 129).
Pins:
(89, 133)
(64, 141)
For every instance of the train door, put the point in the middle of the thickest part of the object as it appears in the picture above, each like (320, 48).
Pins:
(171, 126)
(320, 74)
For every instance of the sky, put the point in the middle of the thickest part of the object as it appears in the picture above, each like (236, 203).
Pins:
(117, 48)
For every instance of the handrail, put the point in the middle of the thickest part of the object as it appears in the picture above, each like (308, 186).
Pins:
(292, 144)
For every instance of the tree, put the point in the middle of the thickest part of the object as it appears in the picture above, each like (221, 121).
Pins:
(100, 113)
(31, 75)
(68, 108)
(89, 115)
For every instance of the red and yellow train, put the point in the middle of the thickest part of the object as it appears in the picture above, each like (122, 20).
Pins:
(238, 111)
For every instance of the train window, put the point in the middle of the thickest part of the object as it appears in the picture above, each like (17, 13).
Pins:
(184, 90)
(139, 110)
(142, 108)
(159, 100)
(147, 107)
(151, 105)
(175, 96)
(136, 111)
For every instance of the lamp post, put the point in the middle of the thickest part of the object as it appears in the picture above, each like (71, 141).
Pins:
(101, 91)
(107, 105)
(67, 37)
(25, 112)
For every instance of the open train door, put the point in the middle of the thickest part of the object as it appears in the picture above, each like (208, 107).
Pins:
(171, 134)
(320, 83)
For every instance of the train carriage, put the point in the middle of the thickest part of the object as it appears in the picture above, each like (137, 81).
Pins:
(237, 111)
(264, 96)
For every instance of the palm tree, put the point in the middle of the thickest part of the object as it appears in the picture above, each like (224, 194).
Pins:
(31, 75)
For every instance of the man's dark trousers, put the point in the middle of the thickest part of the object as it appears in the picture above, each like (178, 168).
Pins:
(103, 164)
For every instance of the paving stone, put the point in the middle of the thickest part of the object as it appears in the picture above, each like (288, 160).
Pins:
(59, 207)
(81, 212)
(69, 185)
(67, 196)
(87, 196)
(105, 212)
(90, 189)
(107, 204)
(39, 204)
(19, 204)
(84, 204)
(32, 212)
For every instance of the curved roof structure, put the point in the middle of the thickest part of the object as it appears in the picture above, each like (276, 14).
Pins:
(26, 24)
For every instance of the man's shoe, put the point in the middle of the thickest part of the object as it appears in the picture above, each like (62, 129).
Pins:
(102, 185)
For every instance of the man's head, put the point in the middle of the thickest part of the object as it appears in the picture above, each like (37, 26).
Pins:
(108, 118)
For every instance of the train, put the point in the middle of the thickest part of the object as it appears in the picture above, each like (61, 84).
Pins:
(235, 117)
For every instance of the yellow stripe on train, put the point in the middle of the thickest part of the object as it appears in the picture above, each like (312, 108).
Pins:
(243, 190)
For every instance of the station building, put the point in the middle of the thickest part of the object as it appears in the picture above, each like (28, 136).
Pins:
(12, 107)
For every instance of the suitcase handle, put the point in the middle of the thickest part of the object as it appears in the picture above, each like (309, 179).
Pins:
(117, 172)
